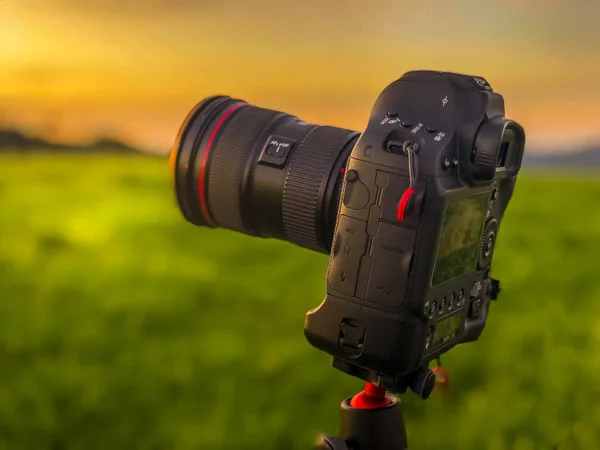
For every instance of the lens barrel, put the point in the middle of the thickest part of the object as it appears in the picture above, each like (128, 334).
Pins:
(260, 172)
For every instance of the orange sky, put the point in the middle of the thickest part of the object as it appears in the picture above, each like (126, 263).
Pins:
(75, 69)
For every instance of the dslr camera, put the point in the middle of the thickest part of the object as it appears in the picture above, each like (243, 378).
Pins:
(408, 210)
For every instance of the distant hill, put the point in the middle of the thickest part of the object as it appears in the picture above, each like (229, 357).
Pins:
(585, 159)
(13, 140)
(108, 144)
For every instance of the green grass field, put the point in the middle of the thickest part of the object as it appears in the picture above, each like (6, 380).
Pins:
(124, 327)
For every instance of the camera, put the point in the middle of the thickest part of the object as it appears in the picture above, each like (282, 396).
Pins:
(409, 211)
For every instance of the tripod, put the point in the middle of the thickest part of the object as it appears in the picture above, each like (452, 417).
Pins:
(373, 419)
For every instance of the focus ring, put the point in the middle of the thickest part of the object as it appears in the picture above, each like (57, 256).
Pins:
(309, 171)
(229, 159)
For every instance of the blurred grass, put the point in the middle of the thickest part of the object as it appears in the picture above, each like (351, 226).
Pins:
(123, 327)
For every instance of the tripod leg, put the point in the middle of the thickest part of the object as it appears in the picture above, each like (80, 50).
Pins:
(331, 443)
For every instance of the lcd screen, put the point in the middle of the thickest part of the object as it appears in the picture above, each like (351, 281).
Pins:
(447, 327)
(458, 246)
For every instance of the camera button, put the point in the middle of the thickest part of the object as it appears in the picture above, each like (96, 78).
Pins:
(276, 151)
(476, 289)
(494, 194)
(351, 176)
(406, 124)
(461, 299)
(475, 308)
(431, 129)
(430, 333)
(482, 83)
(429, 337)
(451, 301)
(442, 306)
(432, 309)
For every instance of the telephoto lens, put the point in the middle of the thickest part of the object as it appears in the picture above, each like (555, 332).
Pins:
(260, 172)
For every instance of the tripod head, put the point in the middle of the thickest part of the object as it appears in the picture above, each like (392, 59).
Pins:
(371, 420)
(421, 382)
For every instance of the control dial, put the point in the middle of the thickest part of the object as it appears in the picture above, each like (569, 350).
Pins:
(488, 241)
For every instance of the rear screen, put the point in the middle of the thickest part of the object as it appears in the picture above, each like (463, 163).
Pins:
(447, 327)
(458, 247)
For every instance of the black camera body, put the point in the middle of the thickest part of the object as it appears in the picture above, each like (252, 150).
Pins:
(409, 272)
(409, 211)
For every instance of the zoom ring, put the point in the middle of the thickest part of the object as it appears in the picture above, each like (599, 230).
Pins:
(309, 171)
(228, 162)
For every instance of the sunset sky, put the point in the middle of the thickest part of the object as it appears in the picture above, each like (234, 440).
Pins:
(77, 69)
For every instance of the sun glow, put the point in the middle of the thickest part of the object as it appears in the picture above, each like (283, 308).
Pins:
(79, 69)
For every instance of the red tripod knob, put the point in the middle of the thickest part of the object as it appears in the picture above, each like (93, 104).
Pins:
(372, 397)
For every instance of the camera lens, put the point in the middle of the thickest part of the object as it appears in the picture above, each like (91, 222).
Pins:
(260, 172)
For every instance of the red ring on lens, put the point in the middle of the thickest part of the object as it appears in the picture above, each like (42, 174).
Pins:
(202, 176)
